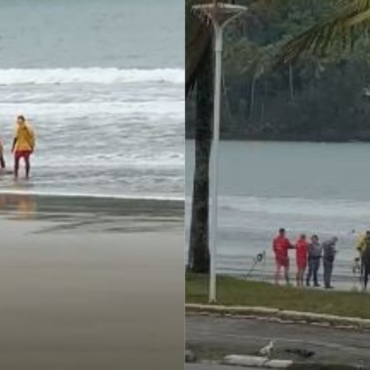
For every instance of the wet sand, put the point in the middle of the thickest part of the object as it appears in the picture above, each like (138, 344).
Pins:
(84, 285)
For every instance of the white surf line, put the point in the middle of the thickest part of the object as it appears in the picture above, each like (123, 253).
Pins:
(84, 195)
(95, 75)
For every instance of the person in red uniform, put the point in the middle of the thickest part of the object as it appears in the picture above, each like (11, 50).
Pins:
(281, 246)
(301, 258)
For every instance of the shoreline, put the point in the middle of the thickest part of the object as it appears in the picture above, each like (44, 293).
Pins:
(122, 206)
(287, 139)
(145, 198)
(92, 195)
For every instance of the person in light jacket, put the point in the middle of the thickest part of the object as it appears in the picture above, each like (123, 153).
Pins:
(314, 258)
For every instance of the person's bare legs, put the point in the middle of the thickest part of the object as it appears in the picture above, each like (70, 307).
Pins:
(2, 161)
(16, 166)
(28, 166)
(298, 278)
(300, 275)
(286, 275)
(277, 273)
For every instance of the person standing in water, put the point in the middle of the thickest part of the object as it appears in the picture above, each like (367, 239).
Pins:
(23, 145)
(2, 161)
(301, 259)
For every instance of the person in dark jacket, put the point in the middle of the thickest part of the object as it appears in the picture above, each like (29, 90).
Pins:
(314, 257)
(361, 245)
(329, 252)
(366, 261)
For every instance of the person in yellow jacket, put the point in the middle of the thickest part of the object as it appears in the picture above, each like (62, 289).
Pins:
(361, 245)
(23, 145)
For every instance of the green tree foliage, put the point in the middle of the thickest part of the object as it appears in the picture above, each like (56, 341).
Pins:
(323, 96)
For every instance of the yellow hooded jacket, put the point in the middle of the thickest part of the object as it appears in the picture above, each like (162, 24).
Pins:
(25, 138)
(361, 243)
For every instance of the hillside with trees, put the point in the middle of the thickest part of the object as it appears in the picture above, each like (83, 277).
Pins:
(324, 98)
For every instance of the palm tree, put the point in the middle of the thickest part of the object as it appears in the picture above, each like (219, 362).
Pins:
(342, 29)
(199, 79)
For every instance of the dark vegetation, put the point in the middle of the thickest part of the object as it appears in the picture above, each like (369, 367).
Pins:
(319, 98)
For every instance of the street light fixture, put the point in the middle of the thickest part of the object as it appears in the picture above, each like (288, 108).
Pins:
(220, 14)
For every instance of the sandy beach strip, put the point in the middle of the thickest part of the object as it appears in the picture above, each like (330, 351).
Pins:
(82, 288)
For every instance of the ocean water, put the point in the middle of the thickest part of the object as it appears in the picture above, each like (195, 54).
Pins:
(102, 84)
(304, 187)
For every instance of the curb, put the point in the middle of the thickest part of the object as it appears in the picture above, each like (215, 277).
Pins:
(259, 362)
(282, 315)
(255, 361)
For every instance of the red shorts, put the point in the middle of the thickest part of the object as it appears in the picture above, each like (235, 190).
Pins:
(22, 154)
(302, 264)
(282, 261)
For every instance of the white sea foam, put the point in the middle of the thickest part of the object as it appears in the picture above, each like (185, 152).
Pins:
(110, 131)
(296, 207)
(90, 75)
(153, 108)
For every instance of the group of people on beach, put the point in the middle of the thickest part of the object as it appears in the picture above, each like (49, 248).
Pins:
(311, 253)
(22, 147)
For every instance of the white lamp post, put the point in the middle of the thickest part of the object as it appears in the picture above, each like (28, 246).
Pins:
(220, 14)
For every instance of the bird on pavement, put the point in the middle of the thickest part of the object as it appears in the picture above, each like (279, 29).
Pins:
(268, 350)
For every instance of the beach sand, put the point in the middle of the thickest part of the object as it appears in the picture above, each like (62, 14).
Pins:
(91, 284)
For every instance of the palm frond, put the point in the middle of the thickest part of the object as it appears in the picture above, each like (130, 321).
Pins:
(198, 40)
(196, 49)
(350, 22)
(198, 37)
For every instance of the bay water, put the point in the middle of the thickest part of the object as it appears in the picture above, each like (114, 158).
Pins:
(304, 187)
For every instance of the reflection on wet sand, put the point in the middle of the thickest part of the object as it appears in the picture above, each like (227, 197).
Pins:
(23, 206)
(94, 214)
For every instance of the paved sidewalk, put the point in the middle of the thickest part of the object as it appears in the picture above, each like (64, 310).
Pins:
(246, 336)
(213, 367)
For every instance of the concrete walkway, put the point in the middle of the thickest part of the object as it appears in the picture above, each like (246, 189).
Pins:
(212, 367)
(246, 336)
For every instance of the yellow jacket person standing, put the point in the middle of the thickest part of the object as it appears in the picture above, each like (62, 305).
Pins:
(23, 145)
(361, 245)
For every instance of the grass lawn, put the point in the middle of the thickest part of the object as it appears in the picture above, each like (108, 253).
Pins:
(237, 292)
